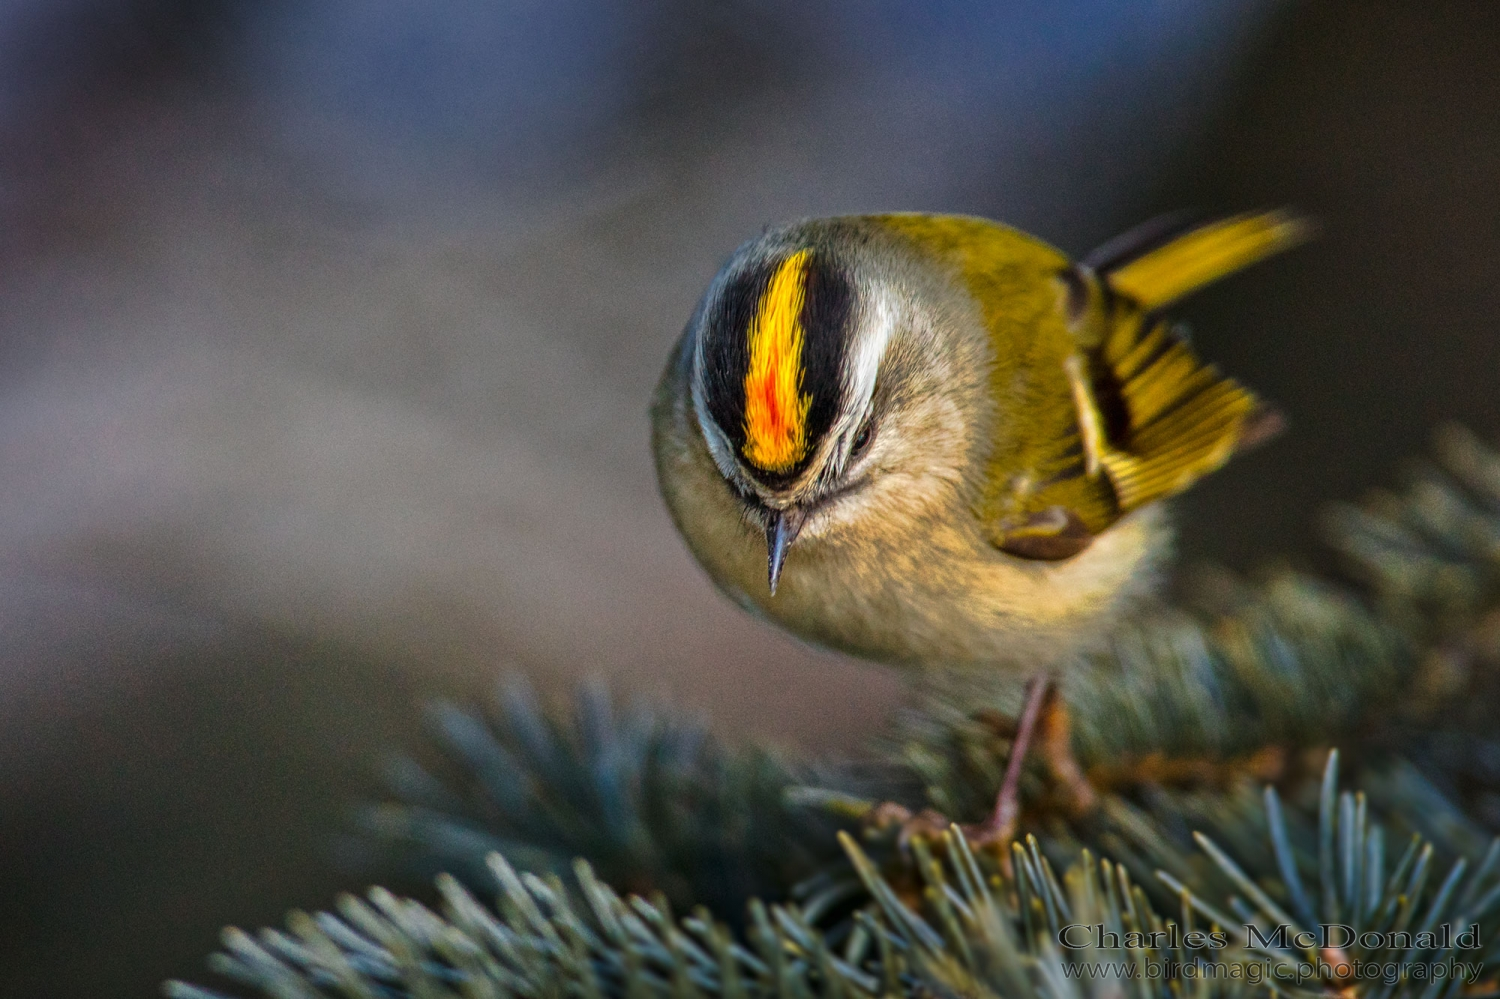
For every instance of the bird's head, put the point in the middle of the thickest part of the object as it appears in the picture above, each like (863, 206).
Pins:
(805, 380)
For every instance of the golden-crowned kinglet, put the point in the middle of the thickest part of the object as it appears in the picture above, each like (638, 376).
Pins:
(943, 438)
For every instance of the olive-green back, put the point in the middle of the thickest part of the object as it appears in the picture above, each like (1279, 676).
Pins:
(1037, 460)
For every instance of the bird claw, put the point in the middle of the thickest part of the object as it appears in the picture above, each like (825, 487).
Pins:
(929, 824)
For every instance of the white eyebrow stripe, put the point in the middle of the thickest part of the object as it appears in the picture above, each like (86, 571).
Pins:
(869, 352)
(873, 335)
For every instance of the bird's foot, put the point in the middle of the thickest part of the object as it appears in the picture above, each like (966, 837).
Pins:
(1043, 723)
(928, 824)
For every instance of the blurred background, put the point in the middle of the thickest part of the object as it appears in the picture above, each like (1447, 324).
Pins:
(327, 330)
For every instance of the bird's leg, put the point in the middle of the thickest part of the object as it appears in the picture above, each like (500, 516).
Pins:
(1056, 744)
(1000, 828)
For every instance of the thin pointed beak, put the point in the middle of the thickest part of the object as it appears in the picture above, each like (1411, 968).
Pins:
(782, 528)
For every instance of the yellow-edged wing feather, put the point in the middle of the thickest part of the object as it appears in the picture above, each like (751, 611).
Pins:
(1182, 418)
(1177, 418)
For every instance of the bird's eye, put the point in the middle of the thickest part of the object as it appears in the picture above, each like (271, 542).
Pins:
(861, 440)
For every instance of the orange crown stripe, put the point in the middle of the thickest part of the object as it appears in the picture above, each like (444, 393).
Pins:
(775, 406)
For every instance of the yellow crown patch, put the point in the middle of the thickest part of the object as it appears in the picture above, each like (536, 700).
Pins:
(775, 406)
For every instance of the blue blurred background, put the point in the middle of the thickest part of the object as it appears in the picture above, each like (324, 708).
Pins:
(327, 330)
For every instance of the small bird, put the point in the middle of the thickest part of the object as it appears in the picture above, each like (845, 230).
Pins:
(935, 440)
(932, 439)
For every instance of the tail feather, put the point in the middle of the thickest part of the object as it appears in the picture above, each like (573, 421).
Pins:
(1201, 256)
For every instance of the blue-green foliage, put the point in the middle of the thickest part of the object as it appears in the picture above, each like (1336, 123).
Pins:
(965, 929)
(611, 821)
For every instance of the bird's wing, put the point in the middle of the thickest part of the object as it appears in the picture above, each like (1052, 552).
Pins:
(1164, 418)
(1151, 417)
